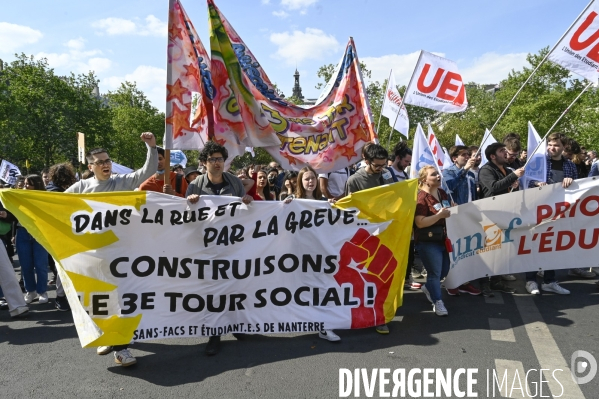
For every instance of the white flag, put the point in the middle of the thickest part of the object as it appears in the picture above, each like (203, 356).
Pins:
(178, 157)
(578, 51)
(391, 107)
(9, 172)
(421, 153)
(447, 162)
(458, 140)
(433, 143)
(120, 169)
(536, 168)
(488, 139)
(436, 84)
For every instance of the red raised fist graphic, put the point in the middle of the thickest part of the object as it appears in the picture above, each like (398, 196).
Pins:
(368, 266)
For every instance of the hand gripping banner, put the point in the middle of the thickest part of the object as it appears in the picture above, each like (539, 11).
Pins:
(145, 265)
(327, 136)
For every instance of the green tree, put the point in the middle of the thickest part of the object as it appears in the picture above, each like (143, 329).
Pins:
(131, 114)
(549, 92)
(40, 113)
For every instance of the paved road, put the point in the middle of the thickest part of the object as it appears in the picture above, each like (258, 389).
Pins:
(41, 355)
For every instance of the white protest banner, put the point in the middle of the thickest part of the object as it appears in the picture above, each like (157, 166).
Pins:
(436, 84)
(488, 139)
(578, 50)
(9, 172)
(421, 153)
(148, 265)
(536, 167)
(458, 140)
(542, 229)
(391, 108)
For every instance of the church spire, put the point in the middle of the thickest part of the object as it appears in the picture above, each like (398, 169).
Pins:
(297, 90)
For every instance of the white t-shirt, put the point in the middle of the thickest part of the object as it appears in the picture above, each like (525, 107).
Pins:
(337, 180)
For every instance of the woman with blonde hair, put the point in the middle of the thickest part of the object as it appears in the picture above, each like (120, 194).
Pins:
(430, 234)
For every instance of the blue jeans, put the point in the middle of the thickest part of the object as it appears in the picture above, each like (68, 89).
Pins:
(34, 262)
(435, 259)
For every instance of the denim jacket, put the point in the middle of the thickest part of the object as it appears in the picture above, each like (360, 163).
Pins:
(456, 180)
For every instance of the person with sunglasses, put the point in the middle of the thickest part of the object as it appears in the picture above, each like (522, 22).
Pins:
(374, 174)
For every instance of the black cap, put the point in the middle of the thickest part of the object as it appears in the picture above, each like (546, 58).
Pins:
(190, 169)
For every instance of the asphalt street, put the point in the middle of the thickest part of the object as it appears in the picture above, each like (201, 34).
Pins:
(511, 334)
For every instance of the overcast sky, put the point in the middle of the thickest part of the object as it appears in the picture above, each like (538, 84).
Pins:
(126, 39)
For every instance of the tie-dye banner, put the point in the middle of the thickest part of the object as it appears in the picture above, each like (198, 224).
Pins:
(188, 81)
(327, 136)
(144, 265)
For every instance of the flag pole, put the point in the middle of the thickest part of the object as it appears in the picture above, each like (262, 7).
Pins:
(531, 75)
(529, 157)
(402, 100)
(383, 104)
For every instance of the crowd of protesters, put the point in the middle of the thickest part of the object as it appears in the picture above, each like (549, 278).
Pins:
(465, 181)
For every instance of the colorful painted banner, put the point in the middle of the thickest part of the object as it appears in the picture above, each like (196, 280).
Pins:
(541, 229)
(327, 136)
(391, 104)
(188, 81)
(578, 51)
(436, 84)
(144, 265)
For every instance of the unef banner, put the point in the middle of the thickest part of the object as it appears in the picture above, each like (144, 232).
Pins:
(327, 136)
(436, 84)
(144, 265)
(578, 51)
(540, 229)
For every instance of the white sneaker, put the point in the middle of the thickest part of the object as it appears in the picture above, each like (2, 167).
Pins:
(439, 308)
(30, 296)
(124, 358)
(508, 277)
(104, 350)
(43, 298)
(329, 335)
(555, 287)
(428, 294)
(532, 288)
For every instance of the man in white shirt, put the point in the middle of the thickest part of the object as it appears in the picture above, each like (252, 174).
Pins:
(332, 184)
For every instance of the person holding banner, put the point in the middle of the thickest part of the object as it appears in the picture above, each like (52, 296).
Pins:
(308, 188)
(495, 178)
(9, 286)
(462, 183)
(216, 182)
(374, 174)
(559, 170)
(430, 234)
(100, 164)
